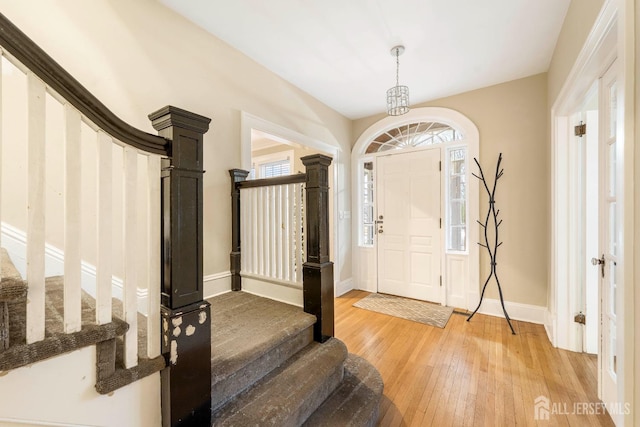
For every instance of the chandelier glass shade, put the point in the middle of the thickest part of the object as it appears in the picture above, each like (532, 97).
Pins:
(397, 96)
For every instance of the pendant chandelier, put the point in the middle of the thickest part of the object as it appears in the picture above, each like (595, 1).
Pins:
(397, 96)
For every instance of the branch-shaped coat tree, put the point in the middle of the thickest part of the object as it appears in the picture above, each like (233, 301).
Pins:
(491, 245)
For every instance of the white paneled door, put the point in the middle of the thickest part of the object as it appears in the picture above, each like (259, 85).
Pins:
(408, 224)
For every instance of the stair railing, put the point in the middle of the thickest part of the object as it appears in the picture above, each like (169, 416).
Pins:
(116, 149)
(280, 234)
(131, 220)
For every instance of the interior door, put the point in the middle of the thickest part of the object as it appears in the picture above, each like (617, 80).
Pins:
(584, 204)
(609, 242)
(408, 224)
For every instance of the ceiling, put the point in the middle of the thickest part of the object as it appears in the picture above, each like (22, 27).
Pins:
(338, 51)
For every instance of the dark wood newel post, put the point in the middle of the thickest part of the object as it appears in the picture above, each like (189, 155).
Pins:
(237, 175)
(186, 325)
(317, 271)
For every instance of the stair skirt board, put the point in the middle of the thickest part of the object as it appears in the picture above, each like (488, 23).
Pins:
(15, 242)
(111, 375)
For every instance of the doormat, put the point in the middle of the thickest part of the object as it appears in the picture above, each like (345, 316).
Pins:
(409, 309)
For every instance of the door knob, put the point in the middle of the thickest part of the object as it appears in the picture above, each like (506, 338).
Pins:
(600, 262)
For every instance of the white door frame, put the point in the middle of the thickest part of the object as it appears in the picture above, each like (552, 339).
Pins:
(249, 121)
(362, 271)
(605, 43)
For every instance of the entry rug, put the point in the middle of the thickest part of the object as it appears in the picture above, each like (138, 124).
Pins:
(409, 309)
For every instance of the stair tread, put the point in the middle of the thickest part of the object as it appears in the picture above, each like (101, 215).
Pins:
(245, 327)
(292, 392)
(355, 402)
(12, 286)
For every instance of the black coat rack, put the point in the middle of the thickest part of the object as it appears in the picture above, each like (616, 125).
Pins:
(491, 246)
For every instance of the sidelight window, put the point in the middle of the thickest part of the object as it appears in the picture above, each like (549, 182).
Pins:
(457, 203)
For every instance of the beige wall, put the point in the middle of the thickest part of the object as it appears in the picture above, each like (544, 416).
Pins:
(578, 22)
(139, 56)
(632, 50)
(512, 120)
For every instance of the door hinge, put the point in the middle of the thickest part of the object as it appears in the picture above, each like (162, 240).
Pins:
(440, 281)
(580, 318)
(440, 165)
(580, 130)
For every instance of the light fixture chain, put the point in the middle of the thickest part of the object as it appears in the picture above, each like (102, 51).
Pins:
(397, 66)
(397, 96)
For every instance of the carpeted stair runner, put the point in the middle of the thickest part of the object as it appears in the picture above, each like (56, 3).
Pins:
(268, 371)
(356, 400)
(111, 373)
(250, 337)
(13, 295)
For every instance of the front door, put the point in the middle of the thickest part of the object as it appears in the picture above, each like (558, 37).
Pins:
(408, 225)
(607, 257)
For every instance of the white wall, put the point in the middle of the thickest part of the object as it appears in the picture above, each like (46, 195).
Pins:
(62, 390)
(139, 56)
(136, 57)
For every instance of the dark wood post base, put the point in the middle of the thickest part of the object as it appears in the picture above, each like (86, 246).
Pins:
(318, 298)
(186, 382)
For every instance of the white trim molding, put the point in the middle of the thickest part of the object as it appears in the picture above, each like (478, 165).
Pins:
(344, 287)
(216, 284)
(283, 292)
(597, 54)
(517, 311)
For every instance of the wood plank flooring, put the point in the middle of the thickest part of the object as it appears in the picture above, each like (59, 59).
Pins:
(470, 373)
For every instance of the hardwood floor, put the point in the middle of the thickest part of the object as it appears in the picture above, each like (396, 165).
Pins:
(469, 373)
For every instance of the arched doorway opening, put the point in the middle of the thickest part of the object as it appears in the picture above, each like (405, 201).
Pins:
(415, 203)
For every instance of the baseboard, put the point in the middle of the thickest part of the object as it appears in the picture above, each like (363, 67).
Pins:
(517, 311)
(15, 241)
(217, 284)
(11, 422)
(344, 287)
(549, 322)
(286, 293)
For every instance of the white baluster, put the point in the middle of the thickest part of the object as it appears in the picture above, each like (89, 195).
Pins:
(129, 240)
(278, 224)
(35, 208)
(254, 231)
(299, 229)
(245, 235)
(291, 231)
(72, 221)
(273, 254)
(260, 235)
(105, 228)
(154, 263)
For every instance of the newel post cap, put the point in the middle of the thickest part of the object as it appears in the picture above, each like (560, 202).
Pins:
(171, 116)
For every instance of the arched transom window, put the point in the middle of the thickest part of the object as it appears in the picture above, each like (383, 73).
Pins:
(417, 134)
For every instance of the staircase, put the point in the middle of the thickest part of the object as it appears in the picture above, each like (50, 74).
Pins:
(261, 362)
(15, 352)
(266, 369)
